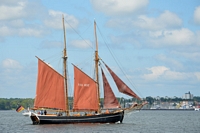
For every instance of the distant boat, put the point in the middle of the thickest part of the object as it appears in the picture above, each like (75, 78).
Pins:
(27, 113)
(196, 108)
(52, 95)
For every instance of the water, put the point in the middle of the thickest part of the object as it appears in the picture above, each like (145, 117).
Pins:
(137, 122)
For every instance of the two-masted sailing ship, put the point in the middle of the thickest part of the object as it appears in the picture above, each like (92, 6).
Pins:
(52, 94)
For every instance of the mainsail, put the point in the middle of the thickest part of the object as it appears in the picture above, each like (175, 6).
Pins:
(50, 91)
(110, 100)
(122, 87)
(85, 92)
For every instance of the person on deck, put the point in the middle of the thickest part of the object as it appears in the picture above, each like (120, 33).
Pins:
(107, 111)
(45, 112)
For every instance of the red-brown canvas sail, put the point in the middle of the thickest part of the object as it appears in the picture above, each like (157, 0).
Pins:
(85, 92)
(122, 87)
(110, 100)
(50, 92)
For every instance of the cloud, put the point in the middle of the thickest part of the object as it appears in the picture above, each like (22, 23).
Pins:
(16, 15)
(81, 43)
(11, 64)
(29, 18)
(160, 39)
(169, 61)
(18, 9)
(155, 72)
(9, 12)
(30, 30)
(165, 21)
(162, 73)
(173, 75)
(197, 15)
(172, 37)
(9, 70)
(55, 20)
(16, 79)
(197, 74)
(119, 7)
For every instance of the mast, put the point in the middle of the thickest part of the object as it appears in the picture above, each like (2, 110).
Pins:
(65, 66)
(96, 65)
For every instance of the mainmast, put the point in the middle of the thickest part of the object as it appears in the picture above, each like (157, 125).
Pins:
(96, 65)
(65, 66)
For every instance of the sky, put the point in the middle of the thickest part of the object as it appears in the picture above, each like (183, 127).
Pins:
(154, 45)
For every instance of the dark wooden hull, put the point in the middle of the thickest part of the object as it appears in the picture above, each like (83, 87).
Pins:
(101, 118)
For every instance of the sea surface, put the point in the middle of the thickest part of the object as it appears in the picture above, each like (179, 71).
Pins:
(144, 121)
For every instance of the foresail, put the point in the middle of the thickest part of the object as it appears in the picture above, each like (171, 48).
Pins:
(50, 91)
(110, 100)
(85, 92)
(122, 87)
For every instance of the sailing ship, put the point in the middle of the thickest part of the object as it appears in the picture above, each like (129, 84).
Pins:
(52, 93)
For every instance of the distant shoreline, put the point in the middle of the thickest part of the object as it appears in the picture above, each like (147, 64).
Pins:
(171, 109)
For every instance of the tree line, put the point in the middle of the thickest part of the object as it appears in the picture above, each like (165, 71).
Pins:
(13, 103)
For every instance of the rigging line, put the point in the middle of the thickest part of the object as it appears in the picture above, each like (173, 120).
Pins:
(84, 61)
(87, 28)
(79, 35)
(118, 63)
(51, 57)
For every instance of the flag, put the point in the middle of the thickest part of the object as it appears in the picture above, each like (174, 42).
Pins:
(20, 108)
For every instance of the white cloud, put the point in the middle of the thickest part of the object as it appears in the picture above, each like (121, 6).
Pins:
(173, 37)
(197, 15)
(17, 23)
(173, 75)
(197, 74)
(18, 9)
(22, 31)
(15, 79)
(11, 64)
(37, 32)
(81, 43)
(162, 73)
(198, 38)
(55, 20)
(10, 67)
(16, 15)
(5, 31)
(172, 62)
(156, 72)
(12, 12)
(119, 7)
(166, 20)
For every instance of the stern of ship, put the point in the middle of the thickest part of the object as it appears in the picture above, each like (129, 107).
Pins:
(35, 119)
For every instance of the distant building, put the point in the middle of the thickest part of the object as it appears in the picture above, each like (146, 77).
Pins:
(157, 98)
(187, 96)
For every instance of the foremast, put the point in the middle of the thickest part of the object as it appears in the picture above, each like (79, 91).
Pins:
(65, 67)
(96, 65)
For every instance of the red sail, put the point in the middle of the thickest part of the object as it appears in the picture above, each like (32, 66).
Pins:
(50, 92)
(122, 87)
(110, 100)
(85, 92)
